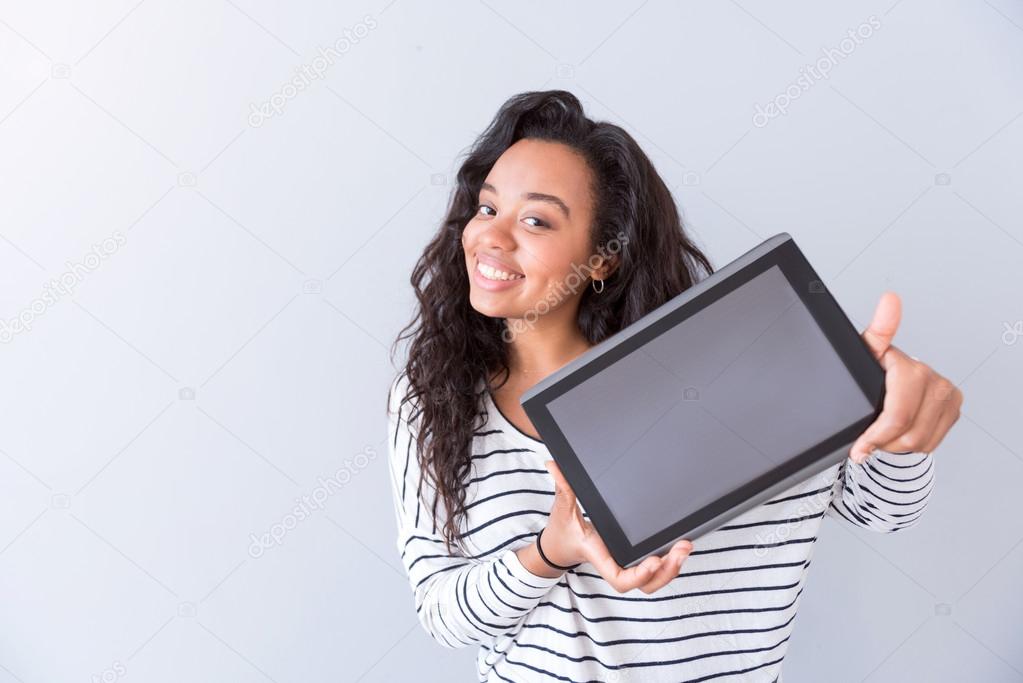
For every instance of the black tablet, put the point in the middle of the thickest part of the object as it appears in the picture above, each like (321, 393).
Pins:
(744, 385)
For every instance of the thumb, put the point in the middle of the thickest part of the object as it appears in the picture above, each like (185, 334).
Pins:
(879, 334)
(564, 496)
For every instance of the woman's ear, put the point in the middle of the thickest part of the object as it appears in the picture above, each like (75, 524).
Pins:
(607, 266)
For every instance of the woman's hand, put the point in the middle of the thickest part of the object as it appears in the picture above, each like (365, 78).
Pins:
(569, 539)
(920, 406)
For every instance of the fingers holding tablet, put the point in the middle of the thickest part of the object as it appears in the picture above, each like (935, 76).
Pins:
(622, 580)
(570, 539)
(670, 566)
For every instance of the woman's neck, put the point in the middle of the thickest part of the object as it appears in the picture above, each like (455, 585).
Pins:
(537, 352)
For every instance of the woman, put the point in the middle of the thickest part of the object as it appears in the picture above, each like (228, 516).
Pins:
(541, 196)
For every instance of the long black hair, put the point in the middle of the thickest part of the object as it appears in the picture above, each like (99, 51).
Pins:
(453, 347)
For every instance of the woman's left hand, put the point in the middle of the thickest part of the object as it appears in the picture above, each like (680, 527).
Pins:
(920, 406)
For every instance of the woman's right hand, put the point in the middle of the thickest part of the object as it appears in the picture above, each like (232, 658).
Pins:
(569, 538)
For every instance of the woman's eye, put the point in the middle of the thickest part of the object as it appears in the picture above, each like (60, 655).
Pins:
(484, 208)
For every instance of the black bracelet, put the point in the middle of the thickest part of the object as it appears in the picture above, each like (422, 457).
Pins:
(544, 557)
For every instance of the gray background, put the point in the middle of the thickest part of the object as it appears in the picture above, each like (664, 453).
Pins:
(232, 350)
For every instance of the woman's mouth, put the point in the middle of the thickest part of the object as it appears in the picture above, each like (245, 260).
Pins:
(492, 273)
(494, 278)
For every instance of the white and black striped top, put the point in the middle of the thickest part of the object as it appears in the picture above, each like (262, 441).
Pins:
(727, 616)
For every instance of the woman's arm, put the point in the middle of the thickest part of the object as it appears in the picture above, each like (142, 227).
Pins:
(887, 480)
(460, 600)
(886, 492)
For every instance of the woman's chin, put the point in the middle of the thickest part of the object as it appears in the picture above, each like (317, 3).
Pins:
(489, 311)
(489, 304)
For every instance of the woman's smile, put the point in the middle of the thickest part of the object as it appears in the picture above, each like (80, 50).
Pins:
(494, 275)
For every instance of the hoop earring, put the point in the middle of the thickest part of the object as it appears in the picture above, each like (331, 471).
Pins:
(594, 284)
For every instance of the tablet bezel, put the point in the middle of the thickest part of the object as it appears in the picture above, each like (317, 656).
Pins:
(779, 250)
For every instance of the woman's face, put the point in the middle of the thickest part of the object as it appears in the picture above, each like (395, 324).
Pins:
(530, 240)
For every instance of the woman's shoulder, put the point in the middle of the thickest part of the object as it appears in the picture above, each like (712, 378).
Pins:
(402, 408)
(396, 392)
(399, 397)
(404, 405)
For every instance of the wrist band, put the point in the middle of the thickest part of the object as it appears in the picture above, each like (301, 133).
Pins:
(543, 557)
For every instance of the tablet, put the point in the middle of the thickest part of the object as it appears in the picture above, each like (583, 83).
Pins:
(747, 383)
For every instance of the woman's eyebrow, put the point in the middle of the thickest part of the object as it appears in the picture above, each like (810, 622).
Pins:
(535, 196)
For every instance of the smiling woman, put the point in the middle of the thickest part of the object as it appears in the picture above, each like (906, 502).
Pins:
(539, 146)
(498, 552)
(524, 243)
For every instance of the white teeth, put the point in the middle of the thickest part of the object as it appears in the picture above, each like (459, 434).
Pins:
(492, 273)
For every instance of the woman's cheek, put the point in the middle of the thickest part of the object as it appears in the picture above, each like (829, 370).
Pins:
(552, 290)
(468, 236)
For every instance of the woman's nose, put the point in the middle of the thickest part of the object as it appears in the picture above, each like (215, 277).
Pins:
(498, 234)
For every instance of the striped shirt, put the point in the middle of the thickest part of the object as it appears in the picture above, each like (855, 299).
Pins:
(727, 616)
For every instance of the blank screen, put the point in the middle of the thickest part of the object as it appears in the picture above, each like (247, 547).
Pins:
(728, 394)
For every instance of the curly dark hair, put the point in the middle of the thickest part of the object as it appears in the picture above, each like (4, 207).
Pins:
(453, 347)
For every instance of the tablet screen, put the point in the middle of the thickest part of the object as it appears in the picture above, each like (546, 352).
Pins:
(728, 394)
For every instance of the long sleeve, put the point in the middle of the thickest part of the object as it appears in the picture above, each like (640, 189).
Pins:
(460, 600)
(885, 493)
